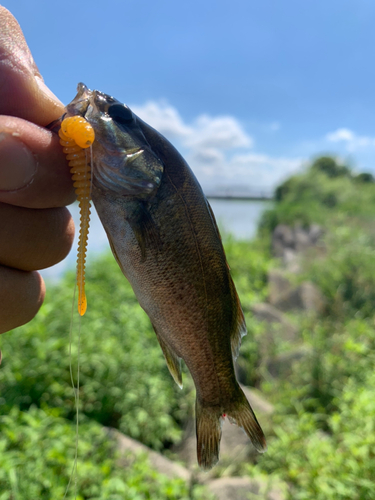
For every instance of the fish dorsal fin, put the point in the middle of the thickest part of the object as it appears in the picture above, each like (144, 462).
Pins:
(173, 361)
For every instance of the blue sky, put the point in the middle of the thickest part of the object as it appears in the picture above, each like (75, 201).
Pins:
(248, 90)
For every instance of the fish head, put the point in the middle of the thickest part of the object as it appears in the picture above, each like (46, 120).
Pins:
(123, 161)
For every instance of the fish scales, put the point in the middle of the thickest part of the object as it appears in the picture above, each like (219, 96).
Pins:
(165, 239)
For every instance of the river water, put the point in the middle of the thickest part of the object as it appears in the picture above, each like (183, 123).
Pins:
(238, 217)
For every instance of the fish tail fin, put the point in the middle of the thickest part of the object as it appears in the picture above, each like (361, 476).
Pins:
(208, 428)
(241, 414)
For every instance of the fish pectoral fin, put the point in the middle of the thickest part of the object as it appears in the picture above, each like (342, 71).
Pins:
(173, 361)
(145, 231)
(115, 253)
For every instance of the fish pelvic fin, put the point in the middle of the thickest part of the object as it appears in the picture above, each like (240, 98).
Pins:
(241, 414)
(208, 429)
(173, 361)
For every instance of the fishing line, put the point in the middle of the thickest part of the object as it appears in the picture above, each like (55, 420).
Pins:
(76, 137)
(74, 467)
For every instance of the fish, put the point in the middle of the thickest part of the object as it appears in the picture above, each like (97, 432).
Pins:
(164, 237)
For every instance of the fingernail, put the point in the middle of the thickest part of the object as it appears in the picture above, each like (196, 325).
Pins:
(17, 163)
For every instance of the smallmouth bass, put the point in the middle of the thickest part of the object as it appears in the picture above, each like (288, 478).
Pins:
(164, 237)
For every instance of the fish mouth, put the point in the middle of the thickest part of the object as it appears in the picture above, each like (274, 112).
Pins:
(84, 100)
(78, 106)
(81, 102)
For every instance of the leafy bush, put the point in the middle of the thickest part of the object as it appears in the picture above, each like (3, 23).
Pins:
(249, 262)
(337, 464)
(319, 194)
(324, 434)
(124, 381)
(37, 450)
(346, 275)
(330, 166)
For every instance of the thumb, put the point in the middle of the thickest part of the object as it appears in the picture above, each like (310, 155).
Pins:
(22, 90)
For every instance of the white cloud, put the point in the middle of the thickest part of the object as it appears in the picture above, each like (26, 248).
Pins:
(222, 132)
(164, 118)
(352, 141)
(211, 147)
(249, 170)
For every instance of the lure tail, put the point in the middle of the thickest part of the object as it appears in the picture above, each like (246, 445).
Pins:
(208, 428)
(76, 135)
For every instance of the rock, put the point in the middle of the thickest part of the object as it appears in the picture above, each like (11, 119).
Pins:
(278, 284)
(280, 366)
(281, 325)
(291, 261)
(290, 301)
(302, 239)
(244, 488)
(306, 297)
(290, 243)
(315, 233)
(235, 445)
(311, 297)
(158, 462)
(282, 238)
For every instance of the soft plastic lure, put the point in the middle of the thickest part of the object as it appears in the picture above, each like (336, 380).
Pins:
(76, 135)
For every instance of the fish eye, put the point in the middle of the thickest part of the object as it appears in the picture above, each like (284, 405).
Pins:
(120, 114)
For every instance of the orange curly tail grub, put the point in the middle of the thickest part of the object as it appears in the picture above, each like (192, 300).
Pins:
(76, 134)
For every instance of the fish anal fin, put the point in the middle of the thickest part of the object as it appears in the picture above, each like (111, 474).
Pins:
(241, 414)
(173, 361)
(208, 429)
(239, 325)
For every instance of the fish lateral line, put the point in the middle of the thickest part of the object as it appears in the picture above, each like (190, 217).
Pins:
(76, 135)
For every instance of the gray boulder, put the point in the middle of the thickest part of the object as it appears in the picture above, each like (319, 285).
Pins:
(244, 488)
(126, 445)
(278, 285)
(279, 324)
(289, 243)
(282, 238)
(306, 297)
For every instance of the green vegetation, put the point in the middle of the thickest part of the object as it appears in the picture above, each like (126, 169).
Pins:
(322, 439)
(37, 453)
(324, 435)
(124, 383)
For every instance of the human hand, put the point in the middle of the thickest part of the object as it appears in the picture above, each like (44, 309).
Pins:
(36, 230)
